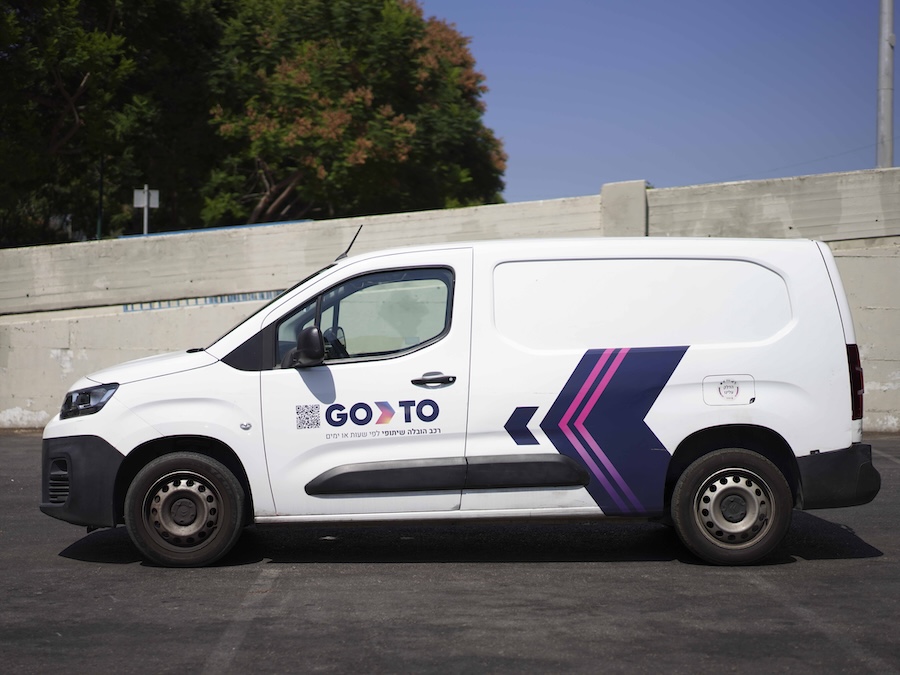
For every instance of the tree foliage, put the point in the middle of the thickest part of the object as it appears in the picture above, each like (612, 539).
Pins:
(349, 107)
(236, 110)
(59, 73)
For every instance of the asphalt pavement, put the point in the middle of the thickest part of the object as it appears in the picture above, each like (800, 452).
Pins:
(571, 597)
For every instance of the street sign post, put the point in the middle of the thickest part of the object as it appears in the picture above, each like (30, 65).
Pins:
(146, 199)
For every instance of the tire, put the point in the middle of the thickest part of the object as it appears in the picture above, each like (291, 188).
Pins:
(732, 507)
(184, 510)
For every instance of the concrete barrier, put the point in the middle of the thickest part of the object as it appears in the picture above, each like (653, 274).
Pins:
(211, 263)
(829, 207)
(71, 309)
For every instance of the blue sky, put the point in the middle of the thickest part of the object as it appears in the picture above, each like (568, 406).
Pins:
(676, 92)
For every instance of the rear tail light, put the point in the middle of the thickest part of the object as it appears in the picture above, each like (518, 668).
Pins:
(857, 386)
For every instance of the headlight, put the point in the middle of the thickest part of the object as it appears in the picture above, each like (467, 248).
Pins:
(86, 401)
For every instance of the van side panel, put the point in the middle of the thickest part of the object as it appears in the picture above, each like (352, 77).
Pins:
(839, 294)
(800, 379)
(846, 318)
(651, 302)
(741, 333)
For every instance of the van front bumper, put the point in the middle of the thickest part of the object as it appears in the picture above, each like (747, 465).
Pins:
(78, 480)
(839, 478)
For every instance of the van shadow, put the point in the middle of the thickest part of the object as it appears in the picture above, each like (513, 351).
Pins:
(103, 546)
(810, 538)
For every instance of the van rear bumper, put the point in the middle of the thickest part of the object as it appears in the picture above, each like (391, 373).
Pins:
(838, 478)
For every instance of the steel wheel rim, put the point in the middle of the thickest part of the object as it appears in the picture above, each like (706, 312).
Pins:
(182, 510)
(733, 508)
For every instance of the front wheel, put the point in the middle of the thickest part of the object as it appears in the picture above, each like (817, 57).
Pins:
(184, 510)
(732, 507)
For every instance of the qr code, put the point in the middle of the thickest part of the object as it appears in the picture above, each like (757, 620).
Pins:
(308, 417)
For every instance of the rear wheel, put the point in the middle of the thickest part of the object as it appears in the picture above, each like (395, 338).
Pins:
(732, 507)
(184, 510)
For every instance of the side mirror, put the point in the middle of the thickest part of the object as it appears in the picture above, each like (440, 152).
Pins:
(310, 348)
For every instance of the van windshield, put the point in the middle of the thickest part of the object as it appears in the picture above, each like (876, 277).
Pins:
(273, 300)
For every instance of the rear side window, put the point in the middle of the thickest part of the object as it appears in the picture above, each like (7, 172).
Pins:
(378, 314)
(578, 304)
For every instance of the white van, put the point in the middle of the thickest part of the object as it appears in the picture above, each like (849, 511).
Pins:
(712, 383)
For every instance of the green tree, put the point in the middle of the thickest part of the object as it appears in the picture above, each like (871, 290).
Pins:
(163, 124)
(108, 90)
(236, 110)
(59, 73)
(347, 107)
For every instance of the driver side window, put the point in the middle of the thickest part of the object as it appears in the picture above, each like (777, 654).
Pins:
(376, 315)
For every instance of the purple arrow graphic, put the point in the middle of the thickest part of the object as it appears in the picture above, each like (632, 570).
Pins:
(598, 420)
(517, 426)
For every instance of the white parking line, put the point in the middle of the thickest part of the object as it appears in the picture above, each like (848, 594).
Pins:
(816, 622)
(229, 644)
(886, 456)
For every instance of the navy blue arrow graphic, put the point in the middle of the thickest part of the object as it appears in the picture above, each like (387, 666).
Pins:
(517, 426)
(598, 420)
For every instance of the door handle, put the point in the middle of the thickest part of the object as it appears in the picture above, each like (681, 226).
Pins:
(431, 379)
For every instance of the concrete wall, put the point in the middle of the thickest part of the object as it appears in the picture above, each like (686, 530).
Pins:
(71, 309)
(207, 263)
(829, 207)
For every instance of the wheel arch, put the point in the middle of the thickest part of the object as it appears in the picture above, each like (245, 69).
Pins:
(761, 440)
(203, 445)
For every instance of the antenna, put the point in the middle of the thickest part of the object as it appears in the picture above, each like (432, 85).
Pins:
(352, 241)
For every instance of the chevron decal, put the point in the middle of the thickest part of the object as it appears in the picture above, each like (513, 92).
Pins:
(387, 412)
(517, 426)
(598, 420)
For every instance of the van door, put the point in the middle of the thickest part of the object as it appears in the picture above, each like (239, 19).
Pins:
(564, 375)
(380, 426)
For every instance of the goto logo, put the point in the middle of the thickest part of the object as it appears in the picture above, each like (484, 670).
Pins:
(361, 414)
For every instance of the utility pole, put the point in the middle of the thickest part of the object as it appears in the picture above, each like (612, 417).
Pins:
(885, 126)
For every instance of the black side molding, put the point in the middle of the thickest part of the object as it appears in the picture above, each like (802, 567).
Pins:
(420, 475)
(491, 472)
(494, 472)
